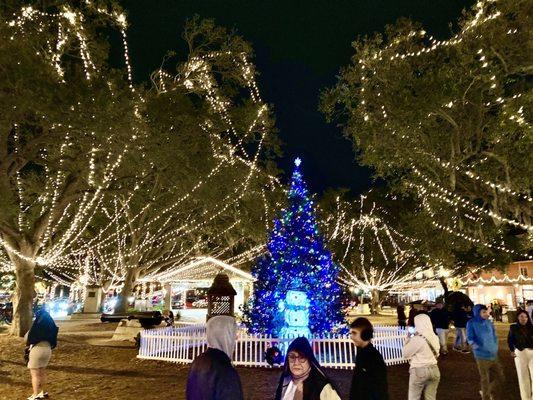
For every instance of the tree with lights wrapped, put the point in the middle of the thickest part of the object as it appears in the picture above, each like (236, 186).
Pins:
(460, 107)
(296, 279)
(67, 121)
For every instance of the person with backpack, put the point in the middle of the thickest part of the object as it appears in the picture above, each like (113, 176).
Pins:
(422, 350)
(369, 380)
(40, 340)
(482, 338)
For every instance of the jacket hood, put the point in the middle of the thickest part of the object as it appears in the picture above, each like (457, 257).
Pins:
(424, 327)
(302, 346)
(221, 334)
(476, 312)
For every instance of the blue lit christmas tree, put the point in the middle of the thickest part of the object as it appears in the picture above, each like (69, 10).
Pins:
(296, 288)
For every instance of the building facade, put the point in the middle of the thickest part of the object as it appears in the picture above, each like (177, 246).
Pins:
(512, 287)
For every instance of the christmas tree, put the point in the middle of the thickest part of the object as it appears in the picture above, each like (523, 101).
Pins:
(296, 279)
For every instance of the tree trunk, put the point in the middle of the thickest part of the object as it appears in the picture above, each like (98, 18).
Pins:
(24, 293)
(375, 301)
(444, 287)
(129, 281)
(105, 288)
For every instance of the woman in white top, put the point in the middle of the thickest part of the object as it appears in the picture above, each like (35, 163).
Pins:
(422, 349)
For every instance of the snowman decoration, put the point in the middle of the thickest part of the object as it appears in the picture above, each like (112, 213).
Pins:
(295, 309)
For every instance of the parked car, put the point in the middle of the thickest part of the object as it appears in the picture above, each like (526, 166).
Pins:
(201, 303)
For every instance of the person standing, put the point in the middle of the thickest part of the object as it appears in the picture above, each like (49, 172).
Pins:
(402, 318)
(481, 336)
(460, 318)
(40, 340)
(529, 308)
(302, 377)
(520, 340)
(497, 310)
(369, 381)
(211, 376)
(422, 350)
(440, 319)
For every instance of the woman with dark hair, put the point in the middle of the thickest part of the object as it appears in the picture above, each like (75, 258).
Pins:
(520, 340)
(302, 377)
(41, 339)
(402, 318)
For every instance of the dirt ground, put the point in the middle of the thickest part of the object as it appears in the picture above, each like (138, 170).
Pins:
(80, 369)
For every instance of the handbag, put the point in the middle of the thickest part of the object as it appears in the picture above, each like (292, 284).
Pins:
(27, 354)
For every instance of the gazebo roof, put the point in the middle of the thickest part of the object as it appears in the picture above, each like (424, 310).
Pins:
(200, 269)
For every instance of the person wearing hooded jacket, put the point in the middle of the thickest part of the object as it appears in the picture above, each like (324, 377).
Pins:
(302, 377)
(211, 376)
(520, 340)
(40, 340)
(422, 350)
(482, 337)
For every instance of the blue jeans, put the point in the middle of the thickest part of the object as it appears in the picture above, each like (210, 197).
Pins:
(460, 338)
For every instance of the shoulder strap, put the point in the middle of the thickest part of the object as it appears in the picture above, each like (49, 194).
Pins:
(435, 353)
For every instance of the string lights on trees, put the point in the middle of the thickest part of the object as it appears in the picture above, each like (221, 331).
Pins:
(459, 106)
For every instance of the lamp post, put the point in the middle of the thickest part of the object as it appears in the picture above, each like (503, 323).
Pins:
(220, 297)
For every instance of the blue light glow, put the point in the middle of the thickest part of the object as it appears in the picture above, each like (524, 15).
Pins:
(296, 291)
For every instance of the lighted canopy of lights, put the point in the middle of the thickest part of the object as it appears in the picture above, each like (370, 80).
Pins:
(165, 234)
(386, 265)
(103, 254)
(69, 26)
(486, 12)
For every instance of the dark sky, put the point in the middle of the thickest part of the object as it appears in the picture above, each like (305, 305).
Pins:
(299, 47)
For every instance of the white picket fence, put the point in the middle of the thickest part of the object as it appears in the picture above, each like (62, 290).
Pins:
(183, 345)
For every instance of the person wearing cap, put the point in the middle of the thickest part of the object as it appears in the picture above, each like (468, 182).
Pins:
(422, 350)
(303, 377)
(211, 376)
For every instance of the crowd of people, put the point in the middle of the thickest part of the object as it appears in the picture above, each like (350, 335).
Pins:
(212, 375)
(474, 331)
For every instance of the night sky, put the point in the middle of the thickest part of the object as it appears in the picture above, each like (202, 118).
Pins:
(299, 48)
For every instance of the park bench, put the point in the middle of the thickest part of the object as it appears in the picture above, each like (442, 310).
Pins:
(145, 318)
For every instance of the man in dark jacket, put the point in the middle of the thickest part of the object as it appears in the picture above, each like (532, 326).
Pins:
(212, 377)
(441, 324)
(369, 380)
(460, 318)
